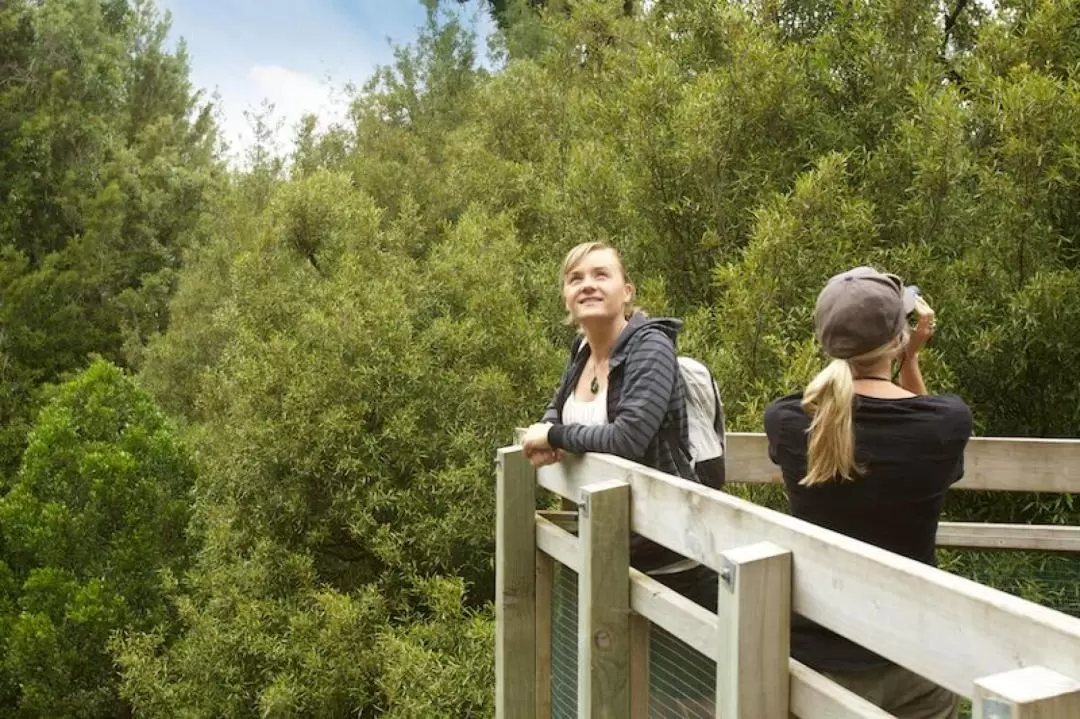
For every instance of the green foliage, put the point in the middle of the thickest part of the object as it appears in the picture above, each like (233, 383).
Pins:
(104, 166)
(355, 330)
(510, 14)
(353, 381)
(442, 664)
(94, 528)
(260, 639)
(350, 344)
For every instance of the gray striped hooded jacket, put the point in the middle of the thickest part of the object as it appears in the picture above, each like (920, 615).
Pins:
(645, 408)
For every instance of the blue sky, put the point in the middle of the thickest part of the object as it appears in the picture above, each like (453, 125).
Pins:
(294, 53)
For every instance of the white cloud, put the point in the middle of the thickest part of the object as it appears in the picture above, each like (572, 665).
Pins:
(296, 54)
(292, 94)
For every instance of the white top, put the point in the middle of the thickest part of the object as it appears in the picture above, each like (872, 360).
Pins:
(594, 411)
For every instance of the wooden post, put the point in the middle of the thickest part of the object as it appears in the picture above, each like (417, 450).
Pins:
(1028, 693)
(545, 582)
(604, 602)
(515, 586)
(639, 666)
(754, 623)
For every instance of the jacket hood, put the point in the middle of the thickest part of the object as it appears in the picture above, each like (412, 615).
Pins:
(638, 323)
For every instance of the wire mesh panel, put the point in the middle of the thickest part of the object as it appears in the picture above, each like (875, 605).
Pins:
(681, 680)
(1052, 580)
(564, 623)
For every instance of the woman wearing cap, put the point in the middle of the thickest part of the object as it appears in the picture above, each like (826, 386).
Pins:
(870, 457)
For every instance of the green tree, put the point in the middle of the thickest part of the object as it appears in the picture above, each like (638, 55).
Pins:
(106, 153)
(363, 326)
(94, 528)
(351, 400)
(508, 12)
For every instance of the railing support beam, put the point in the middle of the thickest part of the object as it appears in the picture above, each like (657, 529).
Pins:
(604, 602)
(1028, 693)
(515, 587)
(754, 621)
(639, 666)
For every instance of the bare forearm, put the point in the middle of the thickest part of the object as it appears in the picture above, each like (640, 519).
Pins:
(911, 376)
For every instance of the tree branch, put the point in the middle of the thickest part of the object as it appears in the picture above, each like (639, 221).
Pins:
(950, 22)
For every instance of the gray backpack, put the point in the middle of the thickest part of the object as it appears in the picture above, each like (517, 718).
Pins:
(705, 419)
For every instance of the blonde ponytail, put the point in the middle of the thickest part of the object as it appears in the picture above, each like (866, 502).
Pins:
(828, 400)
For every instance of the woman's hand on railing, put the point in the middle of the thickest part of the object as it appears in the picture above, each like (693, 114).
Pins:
(536, 437)
(537, 449)
(544, 457)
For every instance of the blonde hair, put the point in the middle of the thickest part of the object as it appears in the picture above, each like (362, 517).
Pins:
(829, 400)
(577, 254)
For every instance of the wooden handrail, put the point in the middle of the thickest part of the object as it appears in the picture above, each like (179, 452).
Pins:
(1000, 464)
(966, 535)
(882, 601)
(985, 535)
(812, 695)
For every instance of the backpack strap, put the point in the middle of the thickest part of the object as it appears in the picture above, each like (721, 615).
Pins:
(718, 419)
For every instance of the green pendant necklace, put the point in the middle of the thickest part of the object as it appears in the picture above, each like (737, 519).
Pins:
(594, 385)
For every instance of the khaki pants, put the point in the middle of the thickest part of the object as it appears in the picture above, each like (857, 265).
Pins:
(900, 692)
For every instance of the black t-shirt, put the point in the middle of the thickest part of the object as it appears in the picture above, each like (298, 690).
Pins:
(912, 450)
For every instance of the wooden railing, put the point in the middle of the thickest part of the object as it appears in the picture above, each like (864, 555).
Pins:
(991, 464)
(1013, 658)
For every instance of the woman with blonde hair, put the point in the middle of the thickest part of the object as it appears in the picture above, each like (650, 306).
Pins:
(871, 458)
(621, 394)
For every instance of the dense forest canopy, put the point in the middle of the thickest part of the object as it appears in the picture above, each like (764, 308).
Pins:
(268, 398)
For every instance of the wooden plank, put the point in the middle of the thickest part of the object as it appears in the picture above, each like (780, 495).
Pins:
(666, 608)
(754, 622)
(558, 543)
(662, 606)
(1009, 536)
(815, 696)
(1002, 464)
(1027, 465)
(639, 666)
(515, 586)
(748, 459)
(1029, 693)
(812, 695)
(950, 534)
(877, 599)
(545, 583)
(562, 519)
(604, 601)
